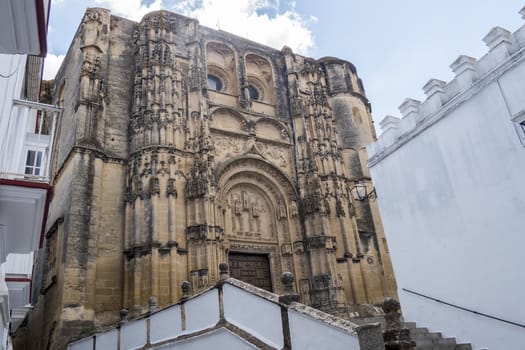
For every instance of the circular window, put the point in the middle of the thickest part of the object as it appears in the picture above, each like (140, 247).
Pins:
(253, 92)
(214, 83)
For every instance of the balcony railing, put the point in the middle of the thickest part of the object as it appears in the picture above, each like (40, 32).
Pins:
(25, 149)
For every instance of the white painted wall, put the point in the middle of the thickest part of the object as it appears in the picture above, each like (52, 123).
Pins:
(452, 201)
(12, 71)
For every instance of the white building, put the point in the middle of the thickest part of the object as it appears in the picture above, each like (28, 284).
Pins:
(26, 129)
(450, 182)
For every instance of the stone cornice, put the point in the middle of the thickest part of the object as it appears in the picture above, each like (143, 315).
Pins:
(86, 150)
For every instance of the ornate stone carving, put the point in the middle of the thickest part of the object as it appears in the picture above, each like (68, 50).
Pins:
(253, 247)
(321, 242)
(199, 179)
(226, 146)
(275, 154)
(286, 249)
(298, 247)
(293, 208)
(139, 191)
(203, 232)
(250, 214)
(340, 211)
(297, 106)
(159, 21)
(171, 189)
(154, 186)
(281, 211)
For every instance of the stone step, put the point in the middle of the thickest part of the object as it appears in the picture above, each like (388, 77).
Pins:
(427, 340)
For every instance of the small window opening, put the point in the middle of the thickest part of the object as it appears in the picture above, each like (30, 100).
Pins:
(253, 92)
(214, 83)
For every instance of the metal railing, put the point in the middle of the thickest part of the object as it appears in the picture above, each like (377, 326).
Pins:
(25, 148)
(464, 308)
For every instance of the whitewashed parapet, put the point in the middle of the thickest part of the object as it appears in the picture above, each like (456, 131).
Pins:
(501, 45)
(464, 68)
(410, 111)
(390, 127)
(435, 91)
(519, 35)
(470, 75)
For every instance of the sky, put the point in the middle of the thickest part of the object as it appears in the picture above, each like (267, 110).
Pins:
(396, 46)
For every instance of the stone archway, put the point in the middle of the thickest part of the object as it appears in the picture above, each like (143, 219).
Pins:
(255, 199)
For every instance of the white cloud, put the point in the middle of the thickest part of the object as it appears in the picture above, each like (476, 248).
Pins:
(51, 65)
(132, 9)
(241, 18)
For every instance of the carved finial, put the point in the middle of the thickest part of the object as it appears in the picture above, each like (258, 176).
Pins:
(152, 303)
(287, 279)
(396, 336)
(288, 296)
(124, 316)
(185, 286)
(224, 271)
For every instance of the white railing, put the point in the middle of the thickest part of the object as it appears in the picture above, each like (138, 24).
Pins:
(25, 149)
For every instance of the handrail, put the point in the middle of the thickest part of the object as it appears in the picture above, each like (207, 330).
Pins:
(37, 105)
(465, 309)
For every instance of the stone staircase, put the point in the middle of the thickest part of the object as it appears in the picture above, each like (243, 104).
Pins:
(427, 340)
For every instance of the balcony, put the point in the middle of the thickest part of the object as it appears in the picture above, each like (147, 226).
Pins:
(26, 140)
(26, 147)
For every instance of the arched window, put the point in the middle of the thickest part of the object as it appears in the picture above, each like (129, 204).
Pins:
(253, 92)
(259, 75)
(214, 83)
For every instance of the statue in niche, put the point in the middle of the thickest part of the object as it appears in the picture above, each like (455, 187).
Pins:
(167, 54)
(171, 190)
(293, 209)
(200, 183)
(245, 201)
(154, 186)
(281, 211)
(282, 160)
(237, 213)
(255, 221)
(139, 190)
(325, 208)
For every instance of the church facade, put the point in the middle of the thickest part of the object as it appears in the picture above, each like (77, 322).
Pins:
(181, 147)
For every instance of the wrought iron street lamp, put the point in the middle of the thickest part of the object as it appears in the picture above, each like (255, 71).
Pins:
(360, 192)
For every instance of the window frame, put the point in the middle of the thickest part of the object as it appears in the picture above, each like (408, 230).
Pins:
(37, 165)
(218, 82)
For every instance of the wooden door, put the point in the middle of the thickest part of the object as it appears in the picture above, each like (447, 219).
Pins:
(251, 268)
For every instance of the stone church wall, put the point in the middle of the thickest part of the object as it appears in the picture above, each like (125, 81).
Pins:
(181, 147)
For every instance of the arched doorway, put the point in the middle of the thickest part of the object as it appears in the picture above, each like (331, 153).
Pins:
(254, 198)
